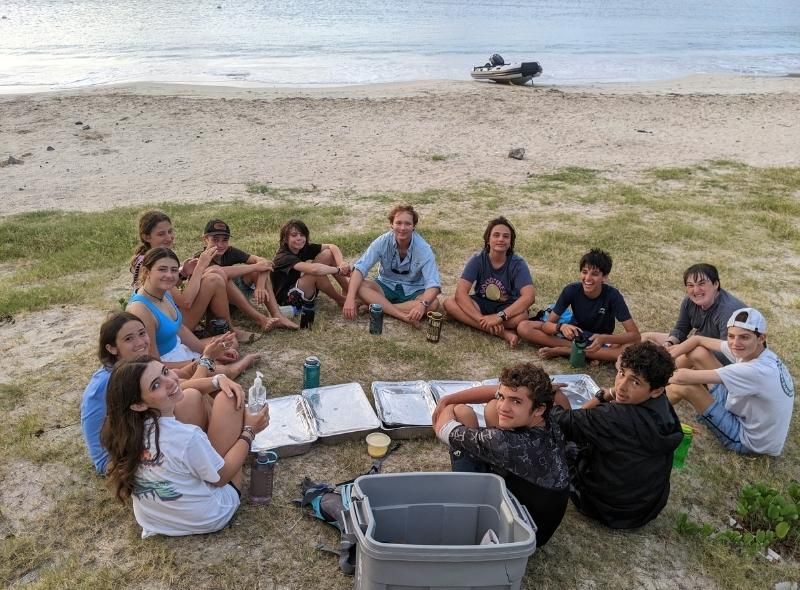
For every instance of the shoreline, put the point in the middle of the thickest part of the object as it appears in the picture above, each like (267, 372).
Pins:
(148, 143)
(690, 84)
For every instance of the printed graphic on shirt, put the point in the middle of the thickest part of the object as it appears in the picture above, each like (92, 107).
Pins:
(493, 290)
(163, 490)
(786, 379)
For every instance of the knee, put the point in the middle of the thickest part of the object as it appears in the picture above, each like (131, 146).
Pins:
(528, 326)
(325, 257)
(214, 280)
(434, 305)
(448, 304)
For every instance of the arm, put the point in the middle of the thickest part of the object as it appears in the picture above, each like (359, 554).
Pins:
(237, 454)
(253, 264)
(695, 377)
(630, 336)
(527, 296)
(338, 258)
(419, 310)
(195, 278)
(317, 268)
(474, 395)
(464, 301)
(693, 342)
(350, 309)
(683, 324)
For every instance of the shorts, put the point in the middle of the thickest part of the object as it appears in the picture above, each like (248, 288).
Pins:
(296, 297)
(179, 353)
(725, 425)
(238, 491)
(398, 295)
(487, 306)
(246, 289)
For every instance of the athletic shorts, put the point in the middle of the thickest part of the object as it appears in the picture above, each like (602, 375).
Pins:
(398, 295)
(725, 425)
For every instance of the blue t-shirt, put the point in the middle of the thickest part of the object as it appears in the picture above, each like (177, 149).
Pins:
(593, 315)
(497, 284)
(93, 414)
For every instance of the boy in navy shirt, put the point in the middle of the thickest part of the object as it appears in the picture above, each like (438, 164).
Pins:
(595, 308)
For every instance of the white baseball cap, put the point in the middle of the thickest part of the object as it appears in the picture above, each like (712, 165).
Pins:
(753, 320)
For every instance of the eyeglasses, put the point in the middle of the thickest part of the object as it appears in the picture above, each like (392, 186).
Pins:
(392, 265)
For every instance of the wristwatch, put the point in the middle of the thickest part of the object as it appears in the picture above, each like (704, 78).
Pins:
(206, 362)
(502, 315)
(424, 303)
(601, 395)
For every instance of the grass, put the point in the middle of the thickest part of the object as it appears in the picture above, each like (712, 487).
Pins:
(744, 220)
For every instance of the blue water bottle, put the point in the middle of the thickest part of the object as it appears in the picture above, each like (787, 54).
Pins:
(311, 368)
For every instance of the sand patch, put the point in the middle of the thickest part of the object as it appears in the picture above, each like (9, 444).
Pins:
(36, 339)
(30, 491)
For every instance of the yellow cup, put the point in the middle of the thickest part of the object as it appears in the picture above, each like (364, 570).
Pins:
(377, 444)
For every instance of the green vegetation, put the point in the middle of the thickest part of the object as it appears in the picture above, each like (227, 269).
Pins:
(744, 220)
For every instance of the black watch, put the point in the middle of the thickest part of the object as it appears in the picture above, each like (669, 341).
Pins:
(502, 315)
(601, 396)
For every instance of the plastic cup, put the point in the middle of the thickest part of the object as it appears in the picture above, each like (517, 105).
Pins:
(377, 444)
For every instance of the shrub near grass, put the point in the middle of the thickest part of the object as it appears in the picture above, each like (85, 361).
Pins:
(741, 219)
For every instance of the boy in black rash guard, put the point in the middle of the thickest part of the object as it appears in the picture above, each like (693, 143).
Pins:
(625, 437)
(521, 443)
(595, 307)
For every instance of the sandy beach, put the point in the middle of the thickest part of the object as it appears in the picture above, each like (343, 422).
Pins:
(102, 147)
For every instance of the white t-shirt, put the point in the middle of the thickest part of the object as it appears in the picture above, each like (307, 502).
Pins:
(761, 394)
(174, 495)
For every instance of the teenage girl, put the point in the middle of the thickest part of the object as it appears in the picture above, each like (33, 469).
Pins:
(124, 337)
(170, 340)
(204, 291)
(183, 479)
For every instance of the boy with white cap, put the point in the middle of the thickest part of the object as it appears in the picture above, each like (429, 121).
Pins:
(749, 404)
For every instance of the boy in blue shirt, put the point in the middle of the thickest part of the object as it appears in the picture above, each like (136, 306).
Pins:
(595, 308)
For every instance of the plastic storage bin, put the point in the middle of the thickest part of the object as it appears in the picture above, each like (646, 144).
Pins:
(423, 531)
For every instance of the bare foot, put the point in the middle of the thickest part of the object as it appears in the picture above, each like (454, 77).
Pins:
(245, 337)
(269, 324)
(511, 337)
(282, 322)
(547, 352)
(235, 369)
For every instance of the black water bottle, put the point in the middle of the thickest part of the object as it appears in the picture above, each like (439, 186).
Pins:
(307, 313)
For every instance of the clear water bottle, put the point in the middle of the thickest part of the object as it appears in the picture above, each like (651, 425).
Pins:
(262, 476)
(257, 395)
(311, 369)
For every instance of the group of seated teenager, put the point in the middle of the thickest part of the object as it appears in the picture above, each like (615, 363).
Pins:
(163, 417)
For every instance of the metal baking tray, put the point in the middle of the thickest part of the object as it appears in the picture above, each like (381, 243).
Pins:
(403, 403)
(578, 388)
(442, 389)
(342, 412)
(292, 429)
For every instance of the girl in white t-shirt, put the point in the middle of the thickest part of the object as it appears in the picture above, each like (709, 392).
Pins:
(182, 480)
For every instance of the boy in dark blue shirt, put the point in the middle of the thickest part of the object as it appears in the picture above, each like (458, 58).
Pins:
(595, 306)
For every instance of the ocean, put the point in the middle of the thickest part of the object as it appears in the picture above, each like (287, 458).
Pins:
(61, 44)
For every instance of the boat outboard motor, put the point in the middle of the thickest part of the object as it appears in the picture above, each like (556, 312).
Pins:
(497, 60)
(531, 68)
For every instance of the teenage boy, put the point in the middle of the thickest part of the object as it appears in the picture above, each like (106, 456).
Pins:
(302, 268)
(520, 443)
(407, 285)
(625, 438)
(749, 406)
(595, 305)
(705, 310)
(503, 286)
(247, 276)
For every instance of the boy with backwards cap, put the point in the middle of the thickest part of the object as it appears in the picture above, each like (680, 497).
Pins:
(749, 404)
(247, 275)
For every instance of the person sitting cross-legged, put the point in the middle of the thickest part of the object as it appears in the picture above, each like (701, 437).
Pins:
(503, 286)
(750, 401)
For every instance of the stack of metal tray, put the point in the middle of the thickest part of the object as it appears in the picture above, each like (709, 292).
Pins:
(442, 389)
(292, 429)
(404, 408)
(329, 414)
(578, 388)
(342, 412)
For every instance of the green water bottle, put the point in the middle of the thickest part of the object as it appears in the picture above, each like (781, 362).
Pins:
(679, 456)
(577, 357)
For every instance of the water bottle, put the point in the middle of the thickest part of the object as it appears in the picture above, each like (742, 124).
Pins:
(307, 314)
(288, 311)
(257, 395)
(311, 368)
(375, 318)
(679, 456)
(262, 476)
(577, 356)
